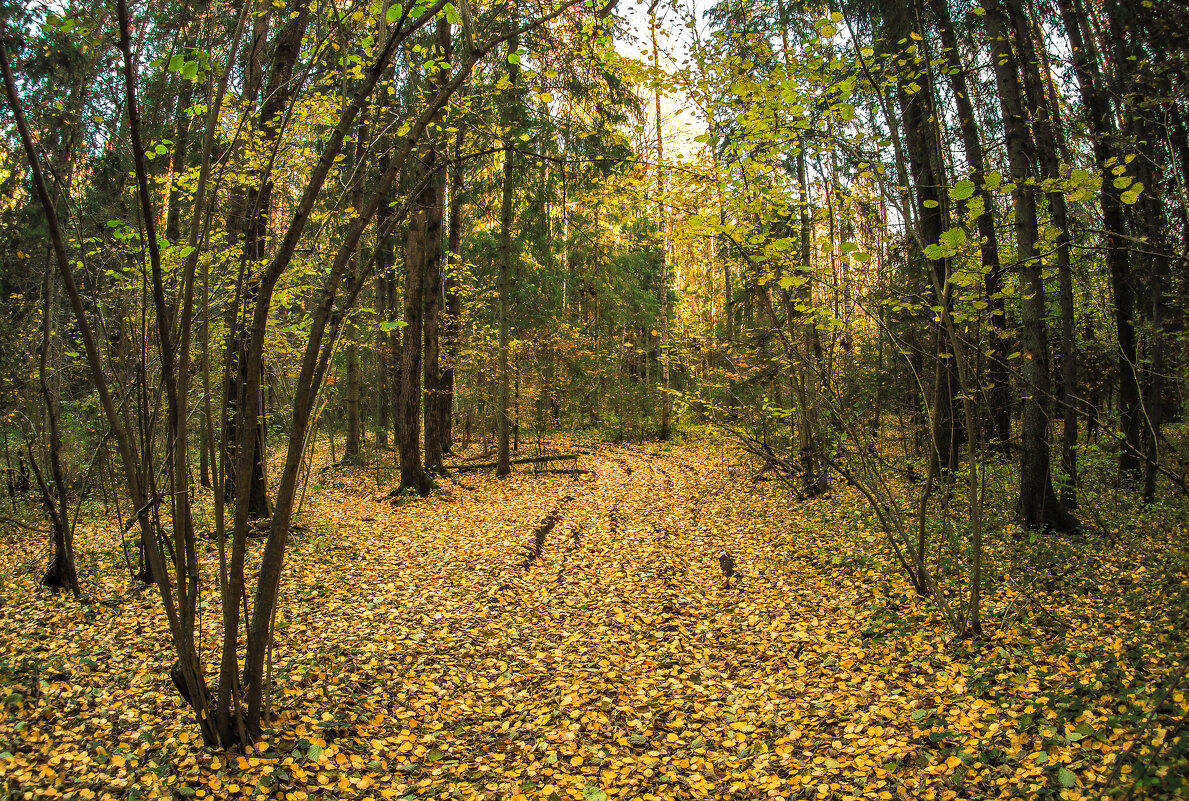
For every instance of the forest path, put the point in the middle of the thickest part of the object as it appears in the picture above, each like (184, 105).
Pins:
(612, 656)
(557, 637)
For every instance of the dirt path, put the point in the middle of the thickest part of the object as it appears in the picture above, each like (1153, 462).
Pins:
(557, 637)
(578, 632)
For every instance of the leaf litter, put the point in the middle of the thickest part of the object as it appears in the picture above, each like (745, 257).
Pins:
(574, 638)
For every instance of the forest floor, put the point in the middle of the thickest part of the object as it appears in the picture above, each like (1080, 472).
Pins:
(573, 637)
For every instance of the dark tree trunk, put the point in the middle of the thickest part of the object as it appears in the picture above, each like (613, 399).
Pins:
(245, 227)
(502, 413)
(453, 299)
(433, 317)
(1049, 138)
(412, 474)
(662, 225)
(918, 109)
(1154, 215)
(808, 379)
(383, 397)
(246, 367)
(998, 391)
(249, 434)
(422, 259)
(61, 573)
(388, 339)
(353, 447)
(1039, 505)
(434, 379)
(1099, 116)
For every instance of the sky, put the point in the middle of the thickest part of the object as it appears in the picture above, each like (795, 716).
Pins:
(680, 122)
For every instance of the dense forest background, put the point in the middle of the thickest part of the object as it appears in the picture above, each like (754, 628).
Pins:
(935, 251)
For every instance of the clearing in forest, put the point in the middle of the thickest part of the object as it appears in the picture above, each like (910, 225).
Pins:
(560, 636)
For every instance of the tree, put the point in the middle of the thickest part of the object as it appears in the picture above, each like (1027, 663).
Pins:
(232, 711)
(508, 119)
(1039, 505)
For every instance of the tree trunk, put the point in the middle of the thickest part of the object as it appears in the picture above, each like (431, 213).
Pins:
(433, 291)
(1155, 226)
(61, 573)
(412, 474)
(452, 321)
(248, 224)
(663, 233)
(999, 380)
(1099, 116)
(1047, 128)
(1039, 505)
(918, 110)
(353, 447)
(508, 116)
(804, 323)
(383, 397)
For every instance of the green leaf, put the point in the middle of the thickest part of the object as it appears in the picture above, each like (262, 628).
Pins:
(395, 12)
(1066, 777)
(389, 326)
(930, 204)
(314, 753)
(934, 252)
(962, 190)
(952, 239)
(513, 58)
(434, 755)
(452, 15)
(592, 793)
